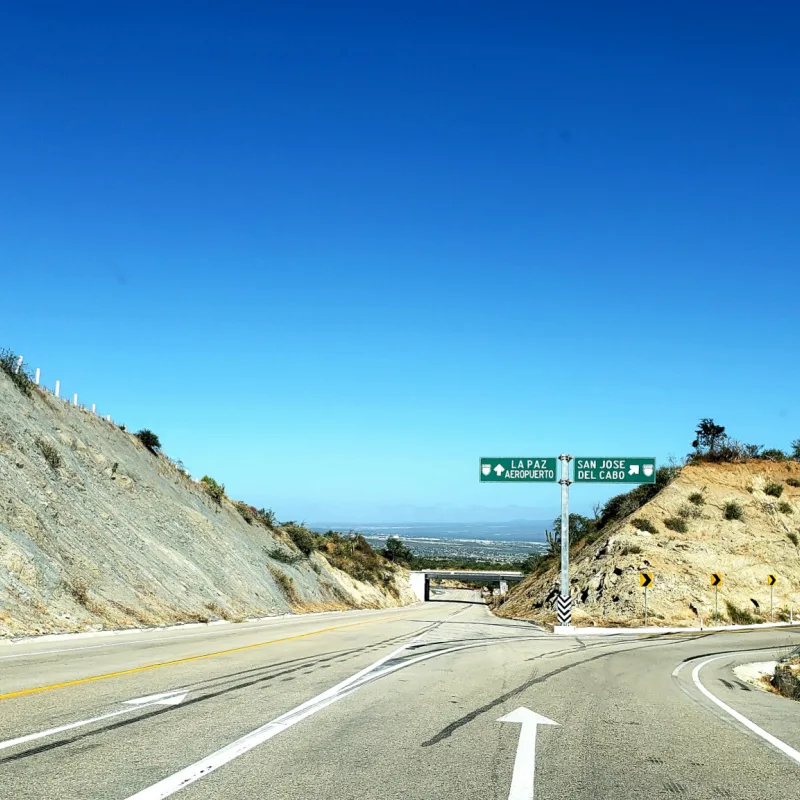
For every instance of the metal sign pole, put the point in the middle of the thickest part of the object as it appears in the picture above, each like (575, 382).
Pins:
(564, 601)
(771, 614)
(716, 618)
(645, 606)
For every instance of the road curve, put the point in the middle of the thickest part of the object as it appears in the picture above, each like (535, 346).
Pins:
(398, 703)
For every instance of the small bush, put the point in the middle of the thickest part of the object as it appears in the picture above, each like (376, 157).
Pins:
(676, 524)
(774, 454)
(792, 482)
(20, 377)
(247, 512)
(149, 440)
(276, 554)
(630, 549)
(267, 517)
(304, 540)
(697, 498)
(216, 491)
(733, 511)
(739, 616)
(50, 453)
(793, 538)
(784, 507)
(689, 512)
(644, 525)
(773, 489)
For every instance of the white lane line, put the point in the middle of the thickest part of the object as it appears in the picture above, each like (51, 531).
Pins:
(165, 698)
(773, 740)
(244, 744)
(677, 669)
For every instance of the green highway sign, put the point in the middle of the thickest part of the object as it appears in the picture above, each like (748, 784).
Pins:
(615, 470)
(519, 470)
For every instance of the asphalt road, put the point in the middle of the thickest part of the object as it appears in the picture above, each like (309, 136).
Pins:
(400, 703)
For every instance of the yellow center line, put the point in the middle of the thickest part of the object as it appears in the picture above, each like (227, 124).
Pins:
(186, 660)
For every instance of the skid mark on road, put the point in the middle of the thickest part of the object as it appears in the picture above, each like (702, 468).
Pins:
(188, 659)
(258, 676)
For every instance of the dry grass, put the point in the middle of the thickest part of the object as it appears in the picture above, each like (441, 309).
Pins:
(286, 584)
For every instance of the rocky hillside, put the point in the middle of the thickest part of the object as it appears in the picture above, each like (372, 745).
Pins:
(97, 531)
(742, 520)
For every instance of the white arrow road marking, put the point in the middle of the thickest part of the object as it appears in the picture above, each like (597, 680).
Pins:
(182, 779)
(525, 762)
(773, 740)
(164, 699)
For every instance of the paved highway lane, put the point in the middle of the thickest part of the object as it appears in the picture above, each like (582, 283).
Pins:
(398, 703)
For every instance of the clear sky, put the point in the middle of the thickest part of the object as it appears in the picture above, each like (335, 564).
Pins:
(333, 253)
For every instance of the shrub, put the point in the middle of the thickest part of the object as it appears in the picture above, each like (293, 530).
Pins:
(689, 512)
(774, 454)
(676, 524)
(149, 440)
(267, 517)
(796, 449)
(50, 453)
(792, 482)
(622, 505)
(216, 491)
(20, 376)
(304, 540)
(739, 616)
(733, 511)
(630, 549)
(277, 554)
(247, 512)
(644, 525)
(697, 498)
(793, 538)
(774, 489)
(784, 507)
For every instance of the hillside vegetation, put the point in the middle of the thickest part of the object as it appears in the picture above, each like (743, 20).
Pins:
(732, 508)
(99, 529)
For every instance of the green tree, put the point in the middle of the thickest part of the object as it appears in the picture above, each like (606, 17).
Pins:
(149, 440)
(396, 550)
(796, 449)
(708, 436)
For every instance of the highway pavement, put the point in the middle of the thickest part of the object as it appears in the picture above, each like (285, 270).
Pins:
(398, 703)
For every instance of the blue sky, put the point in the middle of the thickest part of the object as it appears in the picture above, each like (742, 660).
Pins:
(333, 253)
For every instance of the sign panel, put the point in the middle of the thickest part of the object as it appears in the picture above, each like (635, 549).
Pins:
(716, 579)
(520, 470)
(645, 579)
(608, 469)
(771, 580)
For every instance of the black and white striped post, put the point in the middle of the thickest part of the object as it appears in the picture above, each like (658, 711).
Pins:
(564, 601)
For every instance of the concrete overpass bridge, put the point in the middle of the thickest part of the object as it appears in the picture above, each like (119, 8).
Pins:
(421, 579)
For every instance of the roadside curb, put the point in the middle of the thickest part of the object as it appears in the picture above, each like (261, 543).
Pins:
(597, 631)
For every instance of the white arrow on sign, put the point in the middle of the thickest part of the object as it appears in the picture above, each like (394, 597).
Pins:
(525, 762)
(499, 469)
(164, 699)
(633, 469)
